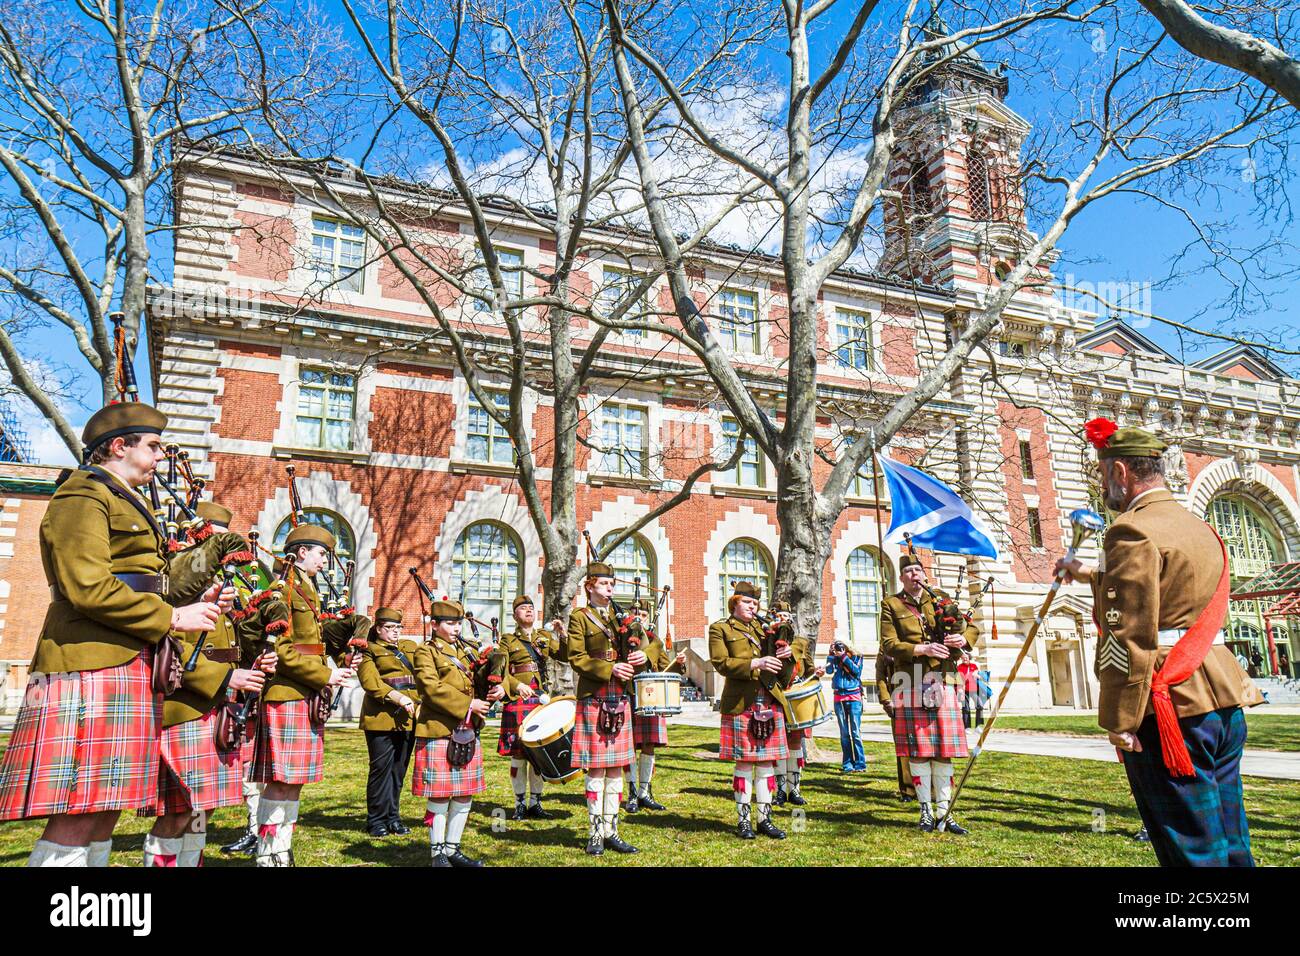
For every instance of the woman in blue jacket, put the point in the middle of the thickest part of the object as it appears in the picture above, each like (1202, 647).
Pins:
(845, 667)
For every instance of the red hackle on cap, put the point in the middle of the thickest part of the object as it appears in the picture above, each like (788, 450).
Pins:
(1099, 430)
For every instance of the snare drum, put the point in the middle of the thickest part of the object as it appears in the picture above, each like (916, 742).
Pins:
(806, 702)
(547, 736)
(658, 694)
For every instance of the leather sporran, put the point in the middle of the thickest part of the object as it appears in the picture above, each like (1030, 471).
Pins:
(320, 705)
(168, 672)
(762, 722)
(225, 727)
(610, 719)
(460, 749)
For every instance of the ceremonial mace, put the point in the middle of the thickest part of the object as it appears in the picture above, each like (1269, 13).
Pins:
(1083, 523)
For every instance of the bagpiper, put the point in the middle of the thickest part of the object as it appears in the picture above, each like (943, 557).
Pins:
(602, 733)
(448, 755)
(1171, 693)
(195, 776)
(290, 748)
(752, 733)
(387, 675)
(927, 723)
(650, 731)
(528, 652)
(85, 745)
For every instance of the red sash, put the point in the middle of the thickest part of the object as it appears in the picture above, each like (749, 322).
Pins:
(1182, 662)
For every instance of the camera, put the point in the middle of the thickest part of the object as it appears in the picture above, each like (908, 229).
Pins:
(838, 647)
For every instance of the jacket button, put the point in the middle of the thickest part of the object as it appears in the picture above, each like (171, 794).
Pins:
(135, 527)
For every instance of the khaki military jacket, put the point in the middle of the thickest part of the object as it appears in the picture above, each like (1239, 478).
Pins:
(1160, 567)
(444, 676)
(660, 660)
(733, 647)
(381, 672)
(545, 644)
(805, 661)
(303, 668)
(884, 678)
(339, 633)
(591, 649)
(94, 621)
(901, 633)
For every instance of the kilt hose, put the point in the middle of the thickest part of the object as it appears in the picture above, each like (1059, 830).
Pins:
(737, 742)
(193, 774)
(512, 718)
(84, 742)
(290, 748)
(649, 729)
(593, 750)
(929, 733)
(1200, 820)
(434, 778)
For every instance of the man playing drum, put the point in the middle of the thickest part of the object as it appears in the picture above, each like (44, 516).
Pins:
(753, 727)
(602, 734)
(650, 730)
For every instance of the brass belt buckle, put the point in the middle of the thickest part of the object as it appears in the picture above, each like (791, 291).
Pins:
(610, 655)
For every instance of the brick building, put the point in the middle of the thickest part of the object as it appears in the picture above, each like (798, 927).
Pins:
(24, 494)
(393, 453)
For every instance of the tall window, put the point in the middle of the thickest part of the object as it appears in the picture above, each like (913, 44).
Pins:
(486, 566)
(624, 442)
(865, 586)
(1035, 528)
(326, 406)
(749, 470)
(1253, 544)
(631, 560)
(977, 178)
(738, 325)
(338, 253)
(511, 264)
(345, 546)
(1026, 460)
(486, 439)
(745, 560)
(853, 338)
(616, 285)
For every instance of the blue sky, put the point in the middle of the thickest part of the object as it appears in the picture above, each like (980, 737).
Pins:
(1124, 239)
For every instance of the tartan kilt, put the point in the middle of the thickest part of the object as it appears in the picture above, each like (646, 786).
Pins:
(436, 779)
(512, 718)
(193, 774)
(923, 733)
(84, 742)
(649, 729)
(593, 750)
(738, 744)
(290, 749)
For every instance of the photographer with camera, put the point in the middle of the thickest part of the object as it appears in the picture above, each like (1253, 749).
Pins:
(845, 667)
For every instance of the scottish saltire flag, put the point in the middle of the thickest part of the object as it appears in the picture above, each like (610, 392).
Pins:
(933, 514)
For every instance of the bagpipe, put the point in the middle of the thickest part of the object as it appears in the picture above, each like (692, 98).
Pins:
(949, 618)
(485, 670)
(337, 604)
(629, 634)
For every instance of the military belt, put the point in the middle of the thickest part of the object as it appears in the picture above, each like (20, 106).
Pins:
(529, 668)
(401, 683)
(139, 582)
(222, 655)
(1171, 636)
(311, 650)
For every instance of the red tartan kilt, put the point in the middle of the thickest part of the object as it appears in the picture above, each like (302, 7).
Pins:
(290, 748)
(593, 750)
(925, 734)
(512, 718)
(649, 729)
(193, 774)
(738, 744)
(84, 742)
(436, 779)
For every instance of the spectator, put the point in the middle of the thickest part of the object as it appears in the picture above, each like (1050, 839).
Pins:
(845, 668)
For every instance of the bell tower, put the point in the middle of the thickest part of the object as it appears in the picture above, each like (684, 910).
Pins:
(959, 217)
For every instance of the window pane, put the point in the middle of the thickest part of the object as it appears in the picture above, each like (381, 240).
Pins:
(487, 570)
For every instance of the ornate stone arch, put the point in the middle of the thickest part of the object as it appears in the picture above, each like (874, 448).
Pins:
(623, 511)
(744, 522)
(1260, 485)
(489, 504)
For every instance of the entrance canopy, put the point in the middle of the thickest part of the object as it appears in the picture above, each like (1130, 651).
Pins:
(1278, 589)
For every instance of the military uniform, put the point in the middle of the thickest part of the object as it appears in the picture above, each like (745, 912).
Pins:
(884, 687)
(527, 655)
(86, 738)
(649, 730)
(789, 776)
(927, 723)
(601, 753)
(1165, 674)
(444, 674)
(752, 732)
(387, 669)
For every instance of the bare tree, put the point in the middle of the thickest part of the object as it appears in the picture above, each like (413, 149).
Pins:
(95, 95)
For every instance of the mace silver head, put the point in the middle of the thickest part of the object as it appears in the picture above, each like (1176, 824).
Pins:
(1085, 522)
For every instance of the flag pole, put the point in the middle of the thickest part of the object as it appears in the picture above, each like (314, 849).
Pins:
(875, 483)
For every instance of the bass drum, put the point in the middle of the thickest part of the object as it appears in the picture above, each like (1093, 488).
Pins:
(547, 736)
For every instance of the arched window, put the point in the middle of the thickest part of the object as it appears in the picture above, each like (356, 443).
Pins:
(745, 560)
(632, 559)
(486, 566)
(1254, 544)
(345, 545)
(865, 586)
(977, 178)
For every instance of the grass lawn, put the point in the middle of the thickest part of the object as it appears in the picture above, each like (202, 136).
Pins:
(1024, 811)
(1264, 731)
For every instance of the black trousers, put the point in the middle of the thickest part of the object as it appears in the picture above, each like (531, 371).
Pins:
(390, 754)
